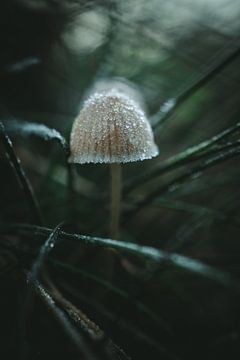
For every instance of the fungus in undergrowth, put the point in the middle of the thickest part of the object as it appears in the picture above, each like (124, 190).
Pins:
(112, 128)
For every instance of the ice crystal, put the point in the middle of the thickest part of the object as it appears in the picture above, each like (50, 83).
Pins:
(110, 128)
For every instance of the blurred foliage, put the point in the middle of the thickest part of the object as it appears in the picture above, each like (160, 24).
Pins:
(185, 201)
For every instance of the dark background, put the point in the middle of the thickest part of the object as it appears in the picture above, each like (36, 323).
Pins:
(52, 53)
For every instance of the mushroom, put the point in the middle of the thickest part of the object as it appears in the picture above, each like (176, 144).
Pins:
(112, 128)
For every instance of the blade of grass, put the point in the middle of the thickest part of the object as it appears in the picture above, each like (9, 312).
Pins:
(107, 285)
(77, 316)
(188, 175)
(44, 251)
(171, 105)
(120, 292)
(61, 317)
(179, 159)
(189, 207)
(89, 328)
(21, 175)
(26, 129)
(33, 276)
(145, 252)
(124, 325)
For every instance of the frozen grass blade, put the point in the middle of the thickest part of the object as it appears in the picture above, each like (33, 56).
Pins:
(170, 106)
(21, 175)
(180, 159)
(144, 252)
(44, 251)
(26, 129)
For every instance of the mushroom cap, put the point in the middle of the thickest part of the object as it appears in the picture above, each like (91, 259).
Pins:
(111, 128)
(120, 85)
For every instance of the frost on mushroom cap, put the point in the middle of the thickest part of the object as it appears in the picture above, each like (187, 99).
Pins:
(111, 128)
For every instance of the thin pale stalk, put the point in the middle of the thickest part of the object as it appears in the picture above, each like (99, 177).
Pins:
(116, 188)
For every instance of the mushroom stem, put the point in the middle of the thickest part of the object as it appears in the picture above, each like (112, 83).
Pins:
(116, 186)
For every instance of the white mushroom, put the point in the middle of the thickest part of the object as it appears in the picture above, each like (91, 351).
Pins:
(112, 128)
